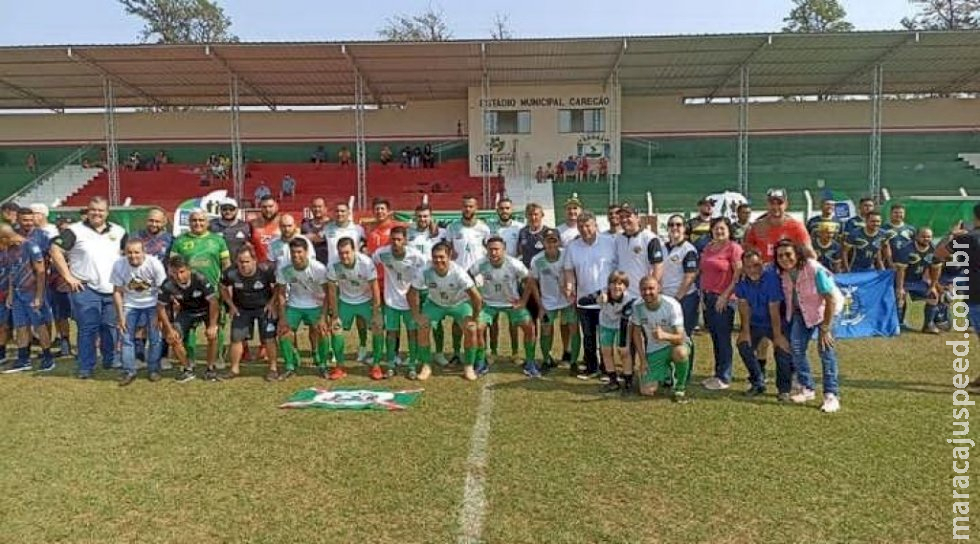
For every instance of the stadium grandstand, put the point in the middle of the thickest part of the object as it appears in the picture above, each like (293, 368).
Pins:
(676, 116)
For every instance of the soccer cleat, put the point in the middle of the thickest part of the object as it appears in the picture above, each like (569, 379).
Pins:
(586, 375)
(831, 403)
(573, 370)
(397, 361)
(337, 373)
(19, 366)
(566, 357)
(376, 373)
(803, 395)
(469, 373)
(531, 370)
(362, 355)
(604, 378)
(440, 359)
(127, 379)
(454, 361)
(548, 364)
(185, 375)
(46, 365)
(425, 372)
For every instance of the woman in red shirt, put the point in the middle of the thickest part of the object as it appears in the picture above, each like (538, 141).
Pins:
(721, 266)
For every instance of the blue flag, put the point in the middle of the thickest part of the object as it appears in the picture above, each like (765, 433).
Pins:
(869, 305)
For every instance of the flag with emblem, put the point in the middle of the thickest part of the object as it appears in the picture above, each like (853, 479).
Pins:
(352, 399)
(869, 307)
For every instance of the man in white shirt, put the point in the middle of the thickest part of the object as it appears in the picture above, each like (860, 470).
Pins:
(401, 265)
(553, 308)
(657, 329)
(468, 237)
(422, 236)
(502, 282)
(508, 230)
(638, 250)
(569, 229)
(354, 293)
(589, 260)
(451, 293)
(302, 287)
(288, 231)
(136, 279)
(341, 227)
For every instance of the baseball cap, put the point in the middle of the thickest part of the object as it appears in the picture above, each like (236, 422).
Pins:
(706, 200)
(626, 207)
(551, 233)
(777, 193)
(39, 208)
(573, 201)
(225, 202)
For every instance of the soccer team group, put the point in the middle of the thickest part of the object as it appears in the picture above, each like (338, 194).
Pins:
(628, 299)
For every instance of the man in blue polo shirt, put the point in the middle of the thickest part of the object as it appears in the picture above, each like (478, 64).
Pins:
(759, 298)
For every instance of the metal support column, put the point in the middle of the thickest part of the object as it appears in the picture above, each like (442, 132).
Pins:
(112, 153)
(743, 131)
(612, 114)
(874, 166)
(360, 149)
(237, 161)
(486, 164)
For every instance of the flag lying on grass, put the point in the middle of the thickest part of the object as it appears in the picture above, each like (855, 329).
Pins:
(352, 399)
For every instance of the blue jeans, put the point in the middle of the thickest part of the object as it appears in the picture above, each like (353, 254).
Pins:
(689, 307)
(784, 361)
(799, 339)
(95, 317)
(135, 318)
(720, 325)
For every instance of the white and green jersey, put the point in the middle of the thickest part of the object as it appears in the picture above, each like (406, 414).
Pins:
(548, 274)
(449, 290)
(279, 250)
(508, 232)
(353, 283)
(332, 233)
(423, 240)
(469, 241)
(400, 274)
(667, 316)
(499, 284)
(304, 288)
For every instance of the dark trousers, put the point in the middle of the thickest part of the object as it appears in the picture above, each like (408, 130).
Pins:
(588, 319)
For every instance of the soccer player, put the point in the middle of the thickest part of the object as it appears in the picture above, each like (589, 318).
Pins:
(137, 278)
(313, 227)
(422, 236)
(288, 231)
(468, 237)
(615, 307)
(828, 250)
(29, 309)
(451, 293)
(899, 233)
(552, 306)
(265, 228)
(865, 206)
(248, 289)
(195, 301)
(917, 276)
(867, 247)
(657, 329)
(507, 229)
(302, 289)
(204, 251)
(827, 220)
(401, 264)
(232, 228)
(355, 294)
(342, 226)
(500, 278)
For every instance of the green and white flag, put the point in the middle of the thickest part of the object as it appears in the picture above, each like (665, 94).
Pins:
(352, 399)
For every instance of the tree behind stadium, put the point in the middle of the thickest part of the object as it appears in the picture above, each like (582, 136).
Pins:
(944, 15)
(181, 21)
(428, 26)
(817, 16)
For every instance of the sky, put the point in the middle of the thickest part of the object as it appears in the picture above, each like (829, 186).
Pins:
(75, 22)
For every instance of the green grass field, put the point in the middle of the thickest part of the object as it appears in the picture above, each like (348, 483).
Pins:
(87, 461)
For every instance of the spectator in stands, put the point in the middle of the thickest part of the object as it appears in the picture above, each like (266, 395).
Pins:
(741, 226)
(602, 172)
(83, 254)
(265, 228)
(287, 188)
(8, 211)
(559, 171)
(699, 226)
(385, 155)
(865, 206)
(777, 225)
(808, 290)
(319, 156)
(679, 271)
(827, 217)
(231, 227)
(721, 268)
(406, 157)
(86, 163)
(134, 161)
(312, 228)
(32, 164)
(343, 156)
(224, 167)
(428, 156)
(416, 157)
(261, 192)
(162, 158)
(583, 172)
(570, 168)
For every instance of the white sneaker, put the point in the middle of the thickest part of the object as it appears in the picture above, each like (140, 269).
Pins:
(362, 355)
(715, 384)
(803, 395)
(831, 403)
(440, 359)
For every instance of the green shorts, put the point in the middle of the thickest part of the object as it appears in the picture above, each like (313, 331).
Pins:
(395, 317)
(298, 316)
(349, 311)
(660, 366)
(435, 313)
(608, 337)
(563, 316)
(515, 316)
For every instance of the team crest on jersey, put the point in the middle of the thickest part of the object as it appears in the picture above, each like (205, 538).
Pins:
(637, 249)
(675, 258)
(196, 294)
(239, 285)
(239, 235)
(432, 285)
(187, 245)
(258, 285)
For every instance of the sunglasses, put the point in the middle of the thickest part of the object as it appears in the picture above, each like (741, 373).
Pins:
(227, 208)
(675, 224)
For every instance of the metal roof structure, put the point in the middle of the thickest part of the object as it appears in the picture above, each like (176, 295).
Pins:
(313, 74)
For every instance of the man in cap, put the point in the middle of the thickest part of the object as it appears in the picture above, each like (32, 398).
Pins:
(569, 229)
(230, 226)
(699, 226)
(41, 220)
(775, 226)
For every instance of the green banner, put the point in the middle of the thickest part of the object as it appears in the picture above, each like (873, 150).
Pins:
(938, 214)
(352, 399)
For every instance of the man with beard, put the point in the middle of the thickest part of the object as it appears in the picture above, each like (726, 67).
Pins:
(899, 233)
(402, 264)
(867, 247)
(827, 220)
(741, 226)
(423, 236)
(569, 229)
(468, 237)
(612, 215)
(508, 230)
(248, 289)
(775, 226)
(342, 226)
(379, 237)
(302, 290)
(265, 228)
(232, 228)
(865, 206)
(657, 330)
(279, 249)
(917, 276)
(313, 227)
(355, 295)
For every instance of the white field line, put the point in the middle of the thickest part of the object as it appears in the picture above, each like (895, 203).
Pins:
(474, 504)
